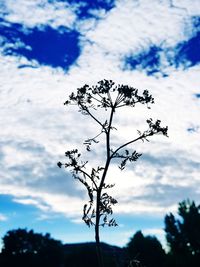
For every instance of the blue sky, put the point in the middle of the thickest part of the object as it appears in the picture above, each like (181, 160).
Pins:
(50, 48)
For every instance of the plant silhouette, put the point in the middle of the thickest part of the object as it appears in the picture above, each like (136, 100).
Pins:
(110, 97)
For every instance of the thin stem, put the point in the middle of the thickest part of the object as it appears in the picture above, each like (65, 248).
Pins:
(91, 115)
(93, 138)
(96, 99)
(109, 96)
(126, 144)
(98, 199)
(103, 99)
(98, 248)
(99, 95)
(108, 133)
(90, 177)
(123, 105)
(119, 99)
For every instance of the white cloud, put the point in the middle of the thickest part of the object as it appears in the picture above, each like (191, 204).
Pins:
(193, 9)
(3, 218)
(153, 231)
(36, 128)
(69, 206)
(134, 25)
(32, 13)
(30, 201)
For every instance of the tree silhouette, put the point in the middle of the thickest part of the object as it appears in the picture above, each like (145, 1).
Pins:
(145, 251)
(183, 235)
(26, 248)
(108, 96)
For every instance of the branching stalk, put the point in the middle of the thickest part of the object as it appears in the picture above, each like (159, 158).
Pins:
(98, 210)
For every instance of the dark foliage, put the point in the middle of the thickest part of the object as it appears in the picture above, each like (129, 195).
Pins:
(183, 235)
(145, 251)
(25, 248)
(78, 255)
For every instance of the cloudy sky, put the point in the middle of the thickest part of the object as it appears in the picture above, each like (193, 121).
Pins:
(51, 47)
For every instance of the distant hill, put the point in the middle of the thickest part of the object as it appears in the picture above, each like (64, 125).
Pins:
(84, 254)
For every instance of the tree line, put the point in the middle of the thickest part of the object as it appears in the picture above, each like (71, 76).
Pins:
(22, 247)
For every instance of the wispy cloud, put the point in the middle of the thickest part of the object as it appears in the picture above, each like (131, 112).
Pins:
(3, 218)
(35, 12)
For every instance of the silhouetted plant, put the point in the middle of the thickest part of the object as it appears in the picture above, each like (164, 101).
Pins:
(110, 97)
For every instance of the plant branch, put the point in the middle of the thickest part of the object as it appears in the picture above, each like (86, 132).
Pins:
(126, 144)
(90, 177)
(96, 98)
(92, 116)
